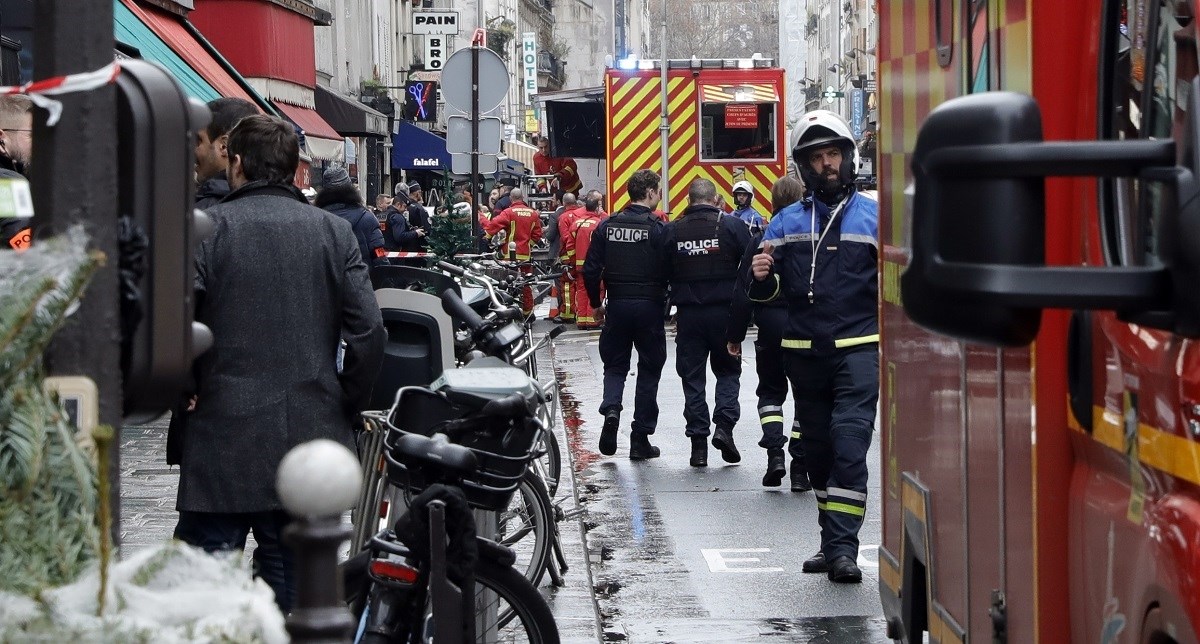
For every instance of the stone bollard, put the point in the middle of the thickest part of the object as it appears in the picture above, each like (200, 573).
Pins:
(317, 482)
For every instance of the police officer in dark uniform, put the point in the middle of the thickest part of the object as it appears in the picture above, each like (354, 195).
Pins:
(706, 246)
(628, 253)
(821, 254)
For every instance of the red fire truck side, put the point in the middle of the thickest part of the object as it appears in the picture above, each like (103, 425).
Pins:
(1040, 300)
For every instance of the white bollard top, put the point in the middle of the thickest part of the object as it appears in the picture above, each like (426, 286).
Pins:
(320, 478)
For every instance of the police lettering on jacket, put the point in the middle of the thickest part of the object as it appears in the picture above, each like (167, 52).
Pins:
(698, 246)
(631, 235)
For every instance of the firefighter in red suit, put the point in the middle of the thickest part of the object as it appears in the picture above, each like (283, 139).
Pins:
(564, 167)
(566, 258)
(524, 226)
(579, 239)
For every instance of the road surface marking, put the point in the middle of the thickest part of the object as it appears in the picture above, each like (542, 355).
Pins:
(717, 562)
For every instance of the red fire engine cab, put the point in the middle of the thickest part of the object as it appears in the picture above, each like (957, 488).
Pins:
(1040, 304)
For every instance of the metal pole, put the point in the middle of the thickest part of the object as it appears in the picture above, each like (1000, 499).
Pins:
(475, 178)
(320, 614)
(842, 98)
(664, 127)
(73, 175)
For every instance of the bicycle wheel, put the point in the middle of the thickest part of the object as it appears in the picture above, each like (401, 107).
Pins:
(509, 608)
(527, 526)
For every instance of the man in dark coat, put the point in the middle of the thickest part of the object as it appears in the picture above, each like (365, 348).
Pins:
(211, 160)
(339, 196)
(281, 284)
(418, 217)
(400, 234)
(211, 187)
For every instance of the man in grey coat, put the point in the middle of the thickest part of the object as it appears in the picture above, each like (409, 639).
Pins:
(280, 283)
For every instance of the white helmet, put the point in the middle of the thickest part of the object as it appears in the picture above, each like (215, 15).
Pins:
(820, 128)
(744, 186)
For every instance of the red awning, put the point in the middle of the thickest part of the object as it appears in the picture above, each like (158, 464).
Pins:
(309, 120)
(170, 28)
(323, 142)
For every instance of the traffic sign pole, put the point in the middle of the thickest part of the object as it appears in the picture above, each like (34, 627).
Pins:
(476, 181)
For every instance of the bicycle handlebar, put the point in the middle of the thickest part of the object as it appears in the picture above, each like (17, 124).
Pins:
(453, 269)
(453, 305)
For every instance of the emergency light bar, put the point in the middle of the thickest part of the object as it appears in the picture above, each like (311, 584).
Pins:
(632, 62)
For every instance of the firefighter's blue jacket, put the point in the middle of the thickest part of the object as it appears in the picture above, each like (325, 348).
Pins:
(834, 305)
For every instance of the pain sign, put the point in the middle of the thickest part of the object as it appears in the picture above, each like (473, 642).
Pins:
(529, 57)
(435, 23)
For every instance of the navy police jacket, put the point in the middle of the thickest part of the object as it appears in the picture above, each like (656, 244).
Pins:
(834, 304)
(706, 247)
(629, 254)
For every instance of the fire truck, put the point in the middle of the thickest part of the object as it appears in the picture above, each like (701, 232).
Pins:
(726, 119)
(1040, 304)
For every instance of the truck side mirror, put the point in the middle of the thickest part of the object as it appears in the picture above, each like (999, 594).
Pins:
(158, 125)
(979, 217)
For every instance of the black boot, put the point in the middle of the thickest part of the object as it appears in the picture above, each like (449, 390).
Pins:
(799, 476)
(815, 563)
(640, 448)
(723, 440)
(843, 570)
(775, 467)
(699, 451)
(608, 433)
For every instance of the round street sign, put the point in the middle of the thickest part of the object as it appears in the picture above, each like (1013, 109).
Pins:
(456, 79)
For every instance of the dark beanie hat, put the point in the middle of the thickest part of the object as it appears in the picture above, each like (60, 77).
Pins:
(414, 186)
(336, 176)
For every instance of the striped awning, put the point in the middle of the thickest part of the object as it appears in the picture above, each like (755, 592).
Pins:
(743, 93)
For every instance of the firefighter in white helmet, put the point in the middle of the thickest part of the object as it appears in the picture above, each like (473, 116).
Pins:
(743, 198)
(820, 254)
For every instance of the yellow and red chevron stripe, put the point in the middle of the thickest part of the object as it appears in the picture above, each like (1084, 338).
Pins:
(634, 104)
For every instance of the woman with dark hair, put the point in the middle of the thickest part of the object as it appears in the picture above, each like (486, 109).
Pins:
(770, 318)
(339, 196)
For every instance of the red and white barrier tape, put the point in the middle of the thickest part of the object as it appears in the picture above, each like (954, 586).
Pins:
(409, 254)
(38, 91)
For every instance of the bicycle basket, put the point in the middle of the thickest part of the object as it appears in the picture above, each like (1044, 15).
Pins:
(503, 447)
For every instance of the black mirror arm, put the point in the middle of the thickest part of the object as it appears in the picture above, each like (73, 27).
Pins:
(1049, 159)
(1129, 288)
(1058, 287)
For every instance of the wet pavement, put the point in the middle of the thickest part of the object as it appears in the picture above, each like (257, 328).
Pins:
(681, 554)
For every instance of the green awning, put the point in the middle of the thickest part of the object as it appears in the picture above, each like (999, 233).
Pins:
(132, 32)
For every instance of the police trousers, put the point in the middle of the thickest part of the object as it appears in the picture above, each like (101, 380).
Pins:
(836, 394)
(700, 343)
(630, 323)
(773, 383)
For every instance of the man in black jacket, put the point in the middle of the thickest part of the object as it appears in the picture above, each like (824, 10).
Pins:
(628, 254)
(211, 160)
(278, 310)
(339, 196)
(706, 246)
(418, 217)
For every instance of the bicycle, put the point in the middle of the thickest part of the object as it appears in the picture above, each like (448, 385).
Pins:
(463, 442)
